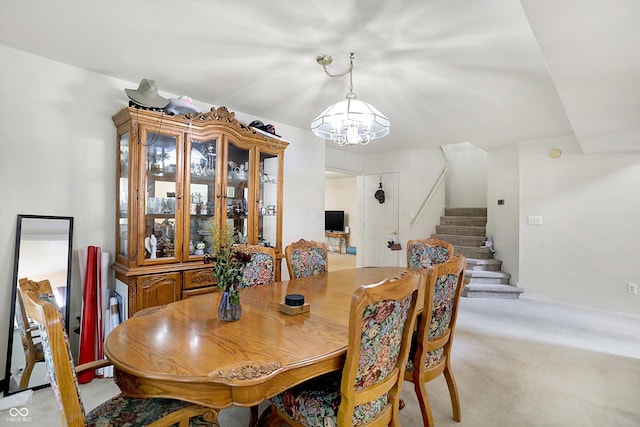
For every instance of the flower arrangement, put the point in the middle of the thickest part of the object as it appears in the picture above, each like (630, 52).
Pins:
(229, 263)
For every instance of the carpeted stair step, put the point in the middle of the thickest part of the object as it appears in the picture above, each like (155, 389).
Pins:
(465, 211)
(480, 276)
(484, 264)
(461, 230)
(455, 240)
(473, 252)
(480, 221)
(491, 290)
(465, 229)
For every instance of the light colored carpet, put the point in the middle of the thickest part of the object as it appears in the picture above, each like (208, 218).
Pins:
(341, 261)
(517, 363)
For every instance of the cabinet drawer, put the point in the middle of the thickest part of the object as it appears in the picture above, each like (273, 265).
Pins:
(198, 278)
(200, 291)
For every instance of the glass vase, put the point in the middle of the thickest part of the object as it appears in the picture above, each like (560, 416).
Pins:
(228, 312)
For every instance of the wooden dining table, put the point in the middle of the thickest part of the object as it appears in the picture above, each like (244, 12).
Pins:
(183, 351)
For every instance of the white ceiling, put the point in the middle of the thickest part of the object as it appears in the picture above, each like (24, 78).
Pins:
(488, 72)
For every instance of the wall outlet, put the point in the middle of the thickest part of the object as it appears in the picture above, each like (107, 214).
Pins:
(632, 288)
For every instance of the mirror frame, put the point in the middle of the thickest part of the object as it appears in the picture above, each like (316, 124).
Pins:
(14, 289)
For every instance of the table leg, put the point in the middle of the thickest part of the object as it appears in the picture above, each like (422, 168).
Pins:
(253, 416)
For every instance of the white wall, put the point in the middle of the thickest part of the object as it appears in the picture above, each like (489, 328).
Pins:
(502, 220)
(58, 157)
(586, 249)
(341, 160)
(466, 176)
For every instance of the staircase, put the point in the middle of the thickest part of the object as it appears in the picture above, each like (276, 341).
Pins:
(465, 229)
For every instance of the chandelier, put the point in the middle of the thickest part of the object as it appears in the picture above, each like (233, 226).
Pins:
(350, 121)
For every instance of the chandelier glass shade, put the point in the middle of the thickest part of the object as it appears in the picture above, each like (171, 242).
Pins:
(350, 121)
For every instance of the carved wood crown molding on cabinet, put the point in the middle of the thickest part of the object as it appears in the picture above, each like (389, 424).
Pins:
(219, 115)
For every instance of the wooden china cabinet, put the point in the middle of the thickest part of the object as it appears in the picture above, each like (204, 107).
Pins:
(175, 176)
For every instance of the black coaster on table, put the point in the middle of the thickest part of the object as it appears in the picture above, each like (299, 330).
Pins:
(294, 300)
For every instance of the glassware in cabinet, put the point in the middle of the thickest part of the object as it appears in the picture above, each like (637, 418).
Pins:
(122, 194)
(200, 204)
(161, 161)
(237, 195)
(268, 199)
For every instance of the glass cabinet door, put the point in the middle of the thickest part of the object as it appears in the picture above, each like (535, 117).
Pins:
(237, 194)
(162, 155)
(122, 193)
(268, 199)
(202, 197)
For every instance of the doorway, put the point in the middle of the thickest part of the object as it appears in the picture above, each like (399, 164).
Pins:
(380, 220)
(341, 194)
(371, 224)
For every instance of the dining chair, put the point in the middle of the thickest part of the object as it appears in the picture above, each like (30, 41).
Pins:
(306, 258)
(367, 390)
(431, 350)
(32, 350)
(260, 270)
(423, 253)
(117, 411)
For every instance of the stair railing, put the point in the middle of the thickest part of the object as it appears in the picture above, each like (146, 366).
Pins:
(426, 201)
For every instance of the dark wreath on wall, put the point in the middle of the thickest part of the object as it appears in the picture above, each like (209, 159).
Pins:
(380, 194)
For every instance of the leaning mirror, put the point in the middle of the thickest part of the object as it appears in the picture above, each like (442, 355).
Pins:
(42, 251)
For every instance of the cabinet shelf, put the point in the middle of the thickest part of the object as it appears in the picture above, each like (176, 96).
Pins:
(237, 182)
(162, 176)
(237, 216)
(202, 179)
(162, 216)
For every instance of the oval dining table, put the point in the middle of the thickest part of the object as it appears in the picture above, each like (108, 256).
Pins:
(183, 351)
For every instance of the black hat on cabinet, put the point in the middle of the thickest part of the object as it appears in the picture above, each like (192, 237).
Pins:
(265, 128)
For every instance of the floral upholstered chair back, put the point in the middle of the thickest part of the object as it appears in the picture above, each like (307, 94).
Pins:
(423, 253)
(444, 285)
(260, 270)
(431, 352)
(306, 258)
(381, 321)
(379, 341)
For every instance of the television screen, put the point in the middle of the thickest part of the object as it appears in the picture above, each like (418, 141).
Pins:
(334, 220)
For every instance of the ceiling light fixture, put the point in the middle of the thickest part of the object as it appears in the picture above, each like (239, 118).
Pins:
(351, 121)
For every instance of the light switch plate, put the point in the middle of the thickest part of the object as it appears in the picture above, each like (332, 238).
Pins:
(534, 220)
